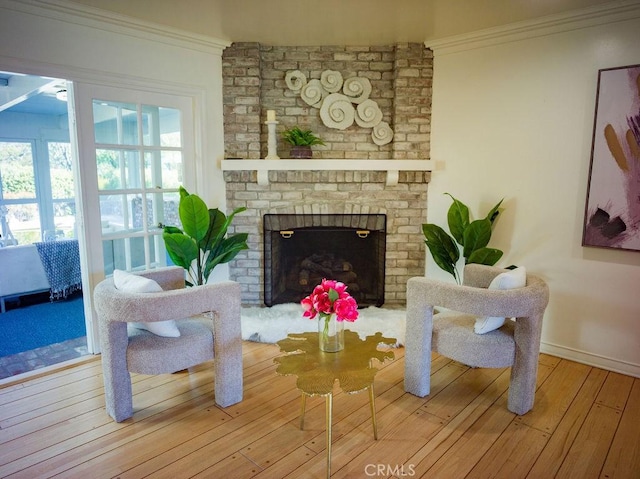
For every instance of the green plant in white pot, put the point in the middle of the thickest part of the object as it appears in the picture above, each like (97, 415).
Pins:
(204, 243)
(472, 236)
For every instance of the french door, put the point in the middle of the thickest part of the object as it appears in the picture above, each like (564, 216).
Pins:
(135, 150)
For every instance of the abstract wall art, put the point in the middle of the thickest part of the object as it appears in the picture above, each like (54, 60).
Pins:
(612, 212)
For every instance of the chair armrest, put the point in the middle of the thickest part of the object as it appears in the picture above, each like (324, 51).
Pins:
(114, 305)
(521, 302)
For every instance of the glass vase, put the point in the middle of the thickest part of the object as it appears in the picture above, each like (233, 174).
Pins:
(330, 334)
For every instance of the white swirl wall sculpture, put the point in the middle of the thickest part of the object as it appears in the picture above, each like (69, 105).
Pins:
(313, 93)
(295, 80)
(337, 110)
(382, 133)
(357, 88)
(331, 80)
(369, 114)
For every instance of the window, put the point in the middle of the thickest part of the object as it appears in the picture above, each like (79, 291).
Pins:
(63, 204)
(139, 164)
(19, 212)
(36, 192)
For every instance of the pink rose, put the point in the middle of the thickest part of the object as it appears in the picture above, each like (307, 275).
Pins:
(322, 303)
(307, 305)
(346, 309)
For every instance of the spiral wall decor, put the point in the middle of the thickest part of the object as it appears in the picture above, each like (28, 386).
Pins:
(337, 110)
(331, 80)
(357, 88)
(369, 114)
(313, 93)
(295, 80)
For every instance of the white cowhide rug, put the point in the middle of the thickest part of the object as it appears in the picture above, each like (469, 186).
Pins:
(268, 325)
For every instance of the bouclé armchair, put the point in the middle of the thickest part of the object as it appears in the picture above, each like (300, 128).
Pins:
(451, 333)
(126, 350)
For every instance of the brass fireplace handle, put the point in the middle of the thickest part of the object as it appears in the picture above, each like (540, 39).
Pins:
(286, 234)
(363, 233)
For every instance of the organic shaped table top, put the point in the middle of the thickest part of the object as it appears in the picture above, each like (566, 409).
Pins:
(317, 370)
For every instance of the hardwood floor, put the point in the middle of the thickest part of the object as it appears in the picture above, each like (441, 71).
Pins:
(586, 423)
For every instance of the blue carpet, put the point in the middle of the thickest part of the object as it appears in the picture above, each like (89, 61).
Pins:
(38, 325)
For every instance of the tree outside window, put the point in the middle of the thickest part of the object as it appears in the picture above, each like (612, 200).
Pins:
(34, 208)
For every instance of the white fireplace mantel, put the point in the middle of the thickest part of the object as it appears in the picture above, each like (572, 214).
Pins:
(262, 167)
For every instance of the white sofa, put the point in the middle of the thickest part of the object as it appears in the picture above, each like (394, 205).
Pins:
(21, 272)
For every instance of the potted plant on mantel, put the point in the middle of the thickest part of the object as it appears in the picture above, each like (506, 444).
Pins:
(301, 141)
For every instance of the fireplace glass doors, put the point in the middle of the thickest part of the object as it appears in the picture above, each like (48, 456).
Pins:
(300, 250)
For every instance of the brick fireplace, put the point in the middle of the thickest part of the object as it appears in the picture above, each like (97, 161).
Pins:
(330, 192)
(350, 174)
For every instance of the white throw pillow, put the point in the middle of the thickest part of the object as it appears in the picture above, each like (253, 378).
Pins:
(132, 283)
(516, 278)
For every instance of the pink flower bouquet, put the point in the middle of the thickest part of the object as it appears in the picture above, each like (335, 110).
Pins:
(328, 298)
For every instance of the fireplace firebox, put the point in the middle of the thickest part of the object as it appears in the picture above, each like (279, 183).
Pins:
(302, 249)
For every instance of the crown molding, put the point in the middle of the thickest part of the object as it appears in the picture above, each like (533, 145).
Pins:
(548, 25)
(69, 12)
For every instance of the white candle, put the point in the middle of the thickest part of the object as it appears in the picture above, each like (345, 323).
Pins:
(271, 115)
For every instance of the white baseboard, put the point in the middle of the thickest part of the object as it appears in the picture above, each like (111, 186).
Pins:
(591, 359)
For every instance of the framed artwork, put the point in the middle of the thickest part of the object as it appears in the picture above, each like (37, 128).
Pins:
(612, 212)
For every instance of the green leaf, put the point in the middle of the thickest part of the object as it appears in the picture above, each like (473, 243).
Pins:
(333, 295)
(218, 225)
(476, 236)
(216, 230)
(443, 248)
(181, 249)
(488, 256)
(194, 216)
(298, 137)
(225, 251)
(493, 214)
(171, 229)
(457, 219)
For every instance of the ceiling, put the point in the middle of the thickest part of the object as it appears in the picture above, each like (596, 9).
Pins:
(31, 94)
(296, 23)
(336, 22)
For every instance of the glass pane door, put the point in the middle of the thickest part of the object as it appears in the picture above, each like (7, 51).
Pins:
(135, 149)
(139, 158)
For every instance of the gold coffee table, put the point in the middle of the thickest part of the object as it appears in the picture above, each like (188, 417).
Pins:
(317, 371)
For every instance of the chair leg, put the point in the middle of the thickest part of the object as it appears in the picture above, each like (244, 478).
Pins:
(417, 370)
(522, 386)
(119, 397)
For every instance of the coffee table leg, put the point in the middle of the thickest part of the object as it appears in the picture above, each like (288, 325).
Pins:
(302, 409)
(329, 421)
(372, 403)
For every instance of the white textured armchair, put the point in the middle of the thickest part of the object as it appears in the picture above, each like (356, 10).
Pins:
(451, 333)
(126, 350)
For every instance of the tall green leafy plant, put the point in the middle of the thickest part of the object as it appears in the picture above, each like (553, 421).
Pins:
(472, 236)
(204, 243)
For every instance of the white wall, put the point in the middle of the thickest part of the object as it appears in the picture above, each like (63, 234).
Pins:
(513, 118)
(93, 48)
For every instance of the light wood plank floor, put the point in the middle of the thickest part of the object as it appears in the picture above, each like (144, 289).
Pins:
(586, 423)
